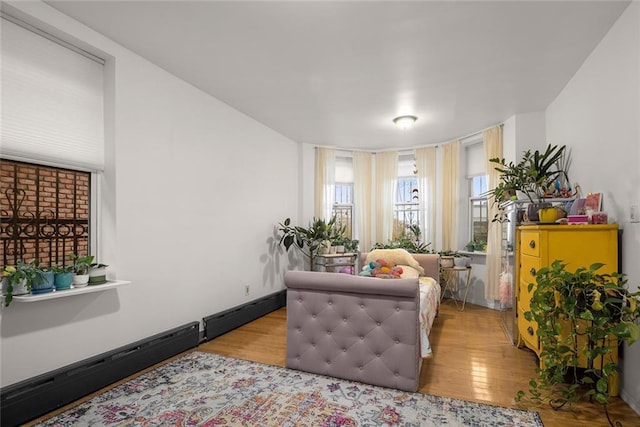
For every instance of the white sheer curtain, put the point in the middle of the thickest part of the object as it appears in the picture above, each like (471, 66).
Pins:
(386, 183)
(325, 182)
(362, 198)
(450, 185)
(492, 139)
(426, 165)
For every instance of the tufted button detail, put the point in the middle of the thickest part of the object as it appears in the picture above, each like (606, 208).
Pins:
(377, 354)
(344, 319)
(344, 350)
(361, 305)
(314, 316)
(361, 337)
(299, 299)
(299, 329)
(397, 308)
(330, 302)
(360, 367)
(396, 374)
(397, 341)
(378, 323)
(328, 332)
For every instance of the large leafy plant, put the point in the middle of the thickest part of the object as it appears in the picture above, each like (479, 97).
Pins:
(308, 240)
(581, 317)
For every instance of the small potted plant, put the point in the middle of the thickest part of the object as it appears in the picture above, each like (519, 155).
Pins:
(97, 274)
(81, 265)
(17, 280)
(62, 277)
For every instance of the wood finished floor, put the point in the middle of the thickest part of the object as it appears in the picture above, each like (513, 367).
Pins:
(473, 360)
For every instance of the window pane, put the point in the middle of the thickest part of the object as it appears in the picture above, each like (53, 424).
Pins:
(343, 207)
(478, 185)
(344, 193)
(45, 213)
(479, 220)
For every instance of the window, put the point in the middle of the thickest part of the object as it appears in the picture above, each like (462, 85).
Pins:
(45, 213)
(343, 198)
(477, 187)
(52, 135)
(478, 209)
(407, 207)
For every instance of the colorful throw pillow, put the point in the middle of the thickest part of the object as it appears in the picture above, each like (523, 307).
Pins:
(397, 256)
(409, 272)
(382, 269)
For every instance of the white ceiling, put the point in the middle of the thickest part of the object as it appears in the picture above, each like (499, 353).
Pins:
(337, 73)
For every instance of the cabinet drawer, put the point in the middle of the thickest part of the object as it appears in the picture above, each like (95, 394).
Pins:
(529, 266)
(530, 243)
(528, 331)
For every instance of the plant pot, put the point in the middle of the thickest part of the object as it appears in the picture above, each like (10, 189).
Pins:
(534, 208)
(97, 275)
(462, 261)
(80, 280)
(548, 215)
(62, 281)
(19, 288)
(45, 284)
(446, 261)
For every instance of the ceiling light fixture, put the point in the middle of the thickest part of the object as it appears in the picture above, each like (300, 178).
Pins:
(405, 122)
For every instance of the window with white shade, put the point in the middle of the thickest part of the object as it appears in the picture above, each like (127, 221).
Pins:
(52, 133)
(343, 199)
(407, 207)
(477, 187)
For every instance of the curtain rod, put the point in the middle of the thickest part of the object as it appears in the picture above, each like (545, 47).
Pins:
(409, 148)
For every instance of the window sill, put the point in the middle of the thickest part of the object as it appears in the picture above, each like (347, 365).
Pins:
(71, 292)
(473, 253)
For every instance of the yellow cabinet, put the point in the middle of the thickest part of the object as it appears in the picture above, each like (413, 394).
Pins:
(538, 246)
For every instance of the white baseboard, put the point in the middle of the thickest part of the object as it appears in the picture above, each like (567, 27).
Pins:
(631, 401)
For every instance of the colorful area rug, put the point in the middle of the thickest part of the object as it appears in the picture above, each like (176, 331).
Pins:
(204, 389)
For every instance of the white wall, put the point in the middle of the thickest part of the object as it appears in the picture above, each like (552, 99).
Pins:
(191, 196)
(598, 115)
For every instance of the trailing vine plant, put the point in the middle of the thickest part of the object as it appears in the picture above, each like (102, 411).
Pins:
(581, 317)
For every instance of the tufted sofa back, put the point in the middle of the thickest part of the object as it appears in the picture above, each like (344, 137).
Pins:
(357, 328)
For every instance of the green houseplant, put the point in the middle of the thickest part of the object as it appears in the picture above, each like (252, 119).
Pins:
(581, 318)
(535, 175)
(81, 265)
(18, 280)
(311, 240)
(62, 277)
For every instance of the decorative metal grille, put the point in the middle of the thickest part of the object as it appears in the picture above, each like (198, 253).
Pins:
(344, 216)
(44, 213)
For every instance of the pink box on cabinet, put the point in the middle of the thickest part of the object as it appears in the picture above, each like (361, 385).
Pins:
(577, 219)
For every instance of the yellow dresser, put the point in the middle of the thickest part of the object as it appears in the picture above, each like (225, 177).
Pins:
(538, 246)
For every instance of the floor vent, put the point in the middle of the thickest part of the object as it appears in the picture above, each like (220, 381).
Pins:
(37, 396)
(225, 321)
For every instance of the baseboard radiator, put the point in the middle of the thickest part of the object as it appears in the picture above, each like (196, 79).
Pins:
(29, 399)
(225, 321)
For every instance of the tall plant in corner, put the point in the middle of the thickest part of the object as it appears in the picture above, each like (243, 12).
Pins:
(581, 318)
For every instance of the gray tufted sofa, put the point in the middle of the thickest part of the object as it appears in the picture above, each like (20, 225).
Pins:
(357, 328)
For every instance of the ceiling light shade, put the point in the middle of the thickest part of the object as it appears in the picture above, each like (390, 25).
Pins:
(405, 122)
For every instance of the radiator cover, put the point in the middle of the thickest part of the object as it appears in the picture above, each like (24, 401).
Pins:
(44, 393)
(225, 321)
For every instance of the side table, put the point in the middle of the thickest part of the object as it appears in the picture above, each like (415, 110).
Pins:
(450, 277)
(335, 262)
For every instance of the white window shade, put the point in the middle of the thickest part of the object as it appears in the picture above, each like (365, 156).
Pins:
(344, 169)
(475, 160)
(52, 102)
(406, 165)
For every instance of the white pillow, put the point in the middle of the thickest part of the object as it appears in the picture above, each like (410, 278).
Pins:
(397, 256)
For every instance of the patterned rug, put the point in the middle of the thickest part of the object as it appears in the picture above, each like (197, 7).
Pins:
(204, 389)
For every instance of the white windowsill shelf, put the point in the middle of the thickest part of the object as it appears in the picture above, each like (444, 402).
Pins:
(71, 292)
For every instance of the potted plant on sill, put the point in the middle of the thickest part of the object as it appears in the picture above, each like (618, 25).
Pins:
(62, 277)
(97, 273)
(537, 175)
(581, 316)
(81, 265)
(18, 280)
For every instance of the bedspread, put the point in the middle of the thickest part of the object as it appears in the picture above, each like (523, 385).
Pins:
(429, 303)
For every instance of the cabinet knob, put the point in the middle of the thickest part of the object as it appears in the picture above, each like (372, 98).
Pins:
(530, 330)
(532, 271)
(532, 244)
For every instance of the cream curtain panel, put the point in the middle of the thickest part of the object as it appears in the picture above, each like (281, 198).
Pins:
(386, 183)
(362, 198)
(450, 185)
(426, 166)
(492, 139)
(325, 182)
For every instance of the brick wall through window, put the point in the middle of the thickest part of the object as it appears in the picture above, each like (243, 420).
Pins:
(45, 213)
